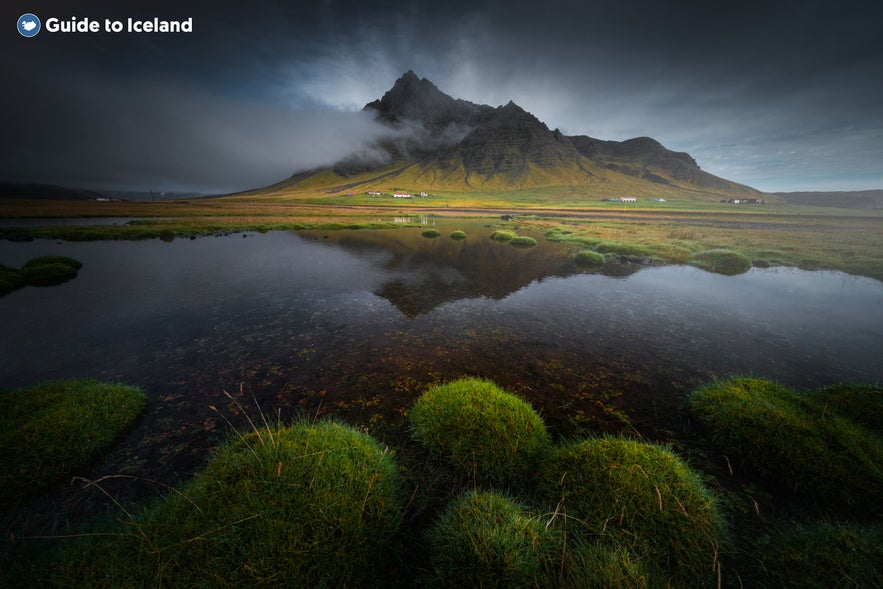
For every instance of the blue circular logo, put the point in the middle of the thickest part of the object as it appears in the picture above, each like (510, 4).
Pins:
(28, 25)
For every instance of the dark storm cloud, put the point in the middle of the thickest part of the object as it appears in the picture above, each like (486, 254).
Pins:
(777, 95)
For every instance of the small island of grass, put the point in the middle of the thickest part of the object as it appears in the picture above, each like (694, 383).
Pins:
(58, 429)
(42, 271)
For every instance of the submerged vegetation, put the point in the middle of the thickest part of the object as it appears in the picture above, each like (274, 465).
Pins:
(58, 429)
(42, 271)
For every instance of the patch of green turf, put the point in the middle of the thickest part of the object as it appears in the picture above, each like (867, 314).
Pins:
(523, 241)
(722, 261)
(431, 233)
(820, 556)
(485, 539)
(502, 235)
(310, 505)
(42, 271)
(483, 430)
(805, 442)
(458, 235)
(641, 497)
(58, 429)
(589, 258)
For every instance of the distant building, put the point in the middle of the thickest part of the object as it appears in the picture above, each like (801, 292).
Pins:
(746, 201)
(628, 199)
(401, 195)
(658, 199)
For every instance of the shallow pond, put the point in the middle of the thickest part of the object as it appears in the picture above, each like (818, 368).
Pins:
(358, 323)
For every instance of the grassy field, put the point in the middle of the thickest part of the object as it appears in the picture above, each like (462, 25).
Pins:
(677, 231)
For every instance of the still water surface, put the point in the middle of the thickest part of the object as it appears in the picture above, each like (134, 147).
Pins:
(358, 323)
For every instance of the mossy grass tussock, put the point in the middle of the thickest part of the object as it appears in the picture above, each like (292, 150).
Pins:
(806, 442)
(58, 429)
(722, 261)
(483, 430)
(503, 235)
(458, 235)
(523, 241)
(641, 497)
(430, 233)
(587, 258)
(306, 505)
(819, 555)
(487, 539)
(41, 271)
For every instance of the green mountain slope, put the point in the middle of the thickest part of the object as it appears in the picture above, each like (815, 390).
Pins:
(439, 143)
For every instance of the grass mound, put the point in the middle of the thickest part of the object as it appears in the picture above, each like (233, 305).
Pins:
(524, 241)
(641, 497)
(722, 261)
(821, 555)
(502, 235)
(42, 271)
(861, 403)
(589, 258)
(431, 233)
(800, 441)
(484, 539)
(300, 506)
(58, 429)
(482, 429)
(458, 235)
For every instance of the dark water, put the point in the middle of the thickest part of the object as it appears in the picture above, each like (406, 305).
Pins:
(358, 323)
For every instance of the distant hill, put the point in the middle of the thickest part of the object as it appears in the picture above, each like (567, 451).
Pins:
(859, 199)
(441, 143)
(46, 191)
(52, 192)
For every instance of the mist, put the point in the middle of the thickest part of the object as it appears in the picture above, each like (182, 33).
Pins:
(164, 133)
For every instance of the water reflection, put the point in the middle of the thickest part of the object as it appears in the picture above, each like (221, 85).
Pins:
(358, 323)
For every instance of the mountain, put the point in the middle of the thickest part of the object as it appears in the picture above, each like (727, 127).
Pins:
(440, 143)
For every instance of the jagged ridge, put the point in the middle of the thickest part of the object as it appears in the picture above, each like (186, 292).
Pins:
(440, 142)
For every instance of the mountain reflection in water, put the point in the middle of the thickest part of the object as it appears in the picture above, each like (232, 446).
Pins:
(358, 323)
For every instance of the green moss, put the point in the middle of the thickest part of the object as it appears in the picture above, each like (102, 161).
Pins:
(431, 233)
(42, 271)
(524, 241)
(58, 429)
(502, 235)
(722, 261)
(483, 430)
(820, 556)
(10, 280)
(597, 565)
(797, 440)
(641, 497)
(458, 235)
(588, 258)
(311, 505)
(45, 260)
(627, 249)
(861, 403)
(484, 539)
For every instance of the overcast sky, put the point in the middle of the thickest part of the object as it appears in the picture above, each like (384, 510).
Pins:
(782, 96)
